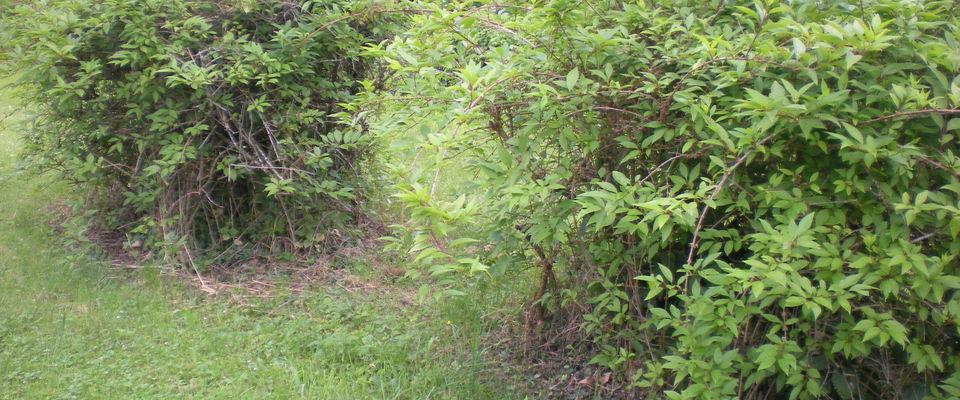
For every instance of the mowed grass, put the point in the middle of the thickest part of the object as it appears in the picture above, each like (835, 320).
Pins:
(72, 328)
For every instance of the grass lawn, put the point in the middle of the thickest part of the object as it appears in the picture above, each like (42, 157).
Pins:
(72, 328)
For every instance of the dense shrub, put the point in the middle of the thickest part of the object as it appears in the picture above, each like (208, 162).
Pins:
(730, 199)
(207, 124)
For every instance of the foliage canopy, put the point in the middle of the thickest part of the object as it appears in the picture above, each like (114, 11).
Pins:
(729, 198)
(209, 124)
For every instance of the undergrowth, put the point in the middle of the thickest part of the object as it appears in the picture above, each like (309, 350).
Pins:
(73, 327)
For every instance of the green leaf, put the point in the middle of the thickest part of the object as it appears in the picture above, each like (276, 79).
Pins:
(572, 77)
(462, 242)
(854, 132)
(953, 125)
(871, 333)
(620, 178)
(794, 301)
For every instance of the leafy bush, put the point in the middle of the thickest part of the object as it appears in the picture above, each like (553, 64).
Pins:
(754, 200)
(207, 123)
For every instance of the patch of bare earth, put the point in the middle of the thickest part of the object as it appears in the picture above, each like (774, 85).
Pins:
(553, 360)
(262, 277)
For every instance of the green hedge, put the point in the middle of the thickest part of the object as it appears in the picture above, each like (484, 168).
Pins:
(730, 199)
(207, 124)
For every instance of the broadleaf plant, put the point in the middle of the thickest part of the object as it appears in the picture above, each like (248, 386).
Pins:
(749, 199)
(214, 126)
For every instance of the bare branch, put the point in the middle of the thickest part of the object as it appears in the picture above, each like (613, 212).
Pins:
(912, 114)
(723, 182)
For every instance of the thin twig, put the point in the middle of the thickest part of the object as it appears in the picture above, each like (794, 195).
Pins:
(723, 181)
(938, 165)
(456, 131)
(269, 168)
(922, 238)
(306, 38)
(203, 285)
(501, 28)
(667, 161)
(13, 112)
(665, 106)
(911, 114)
